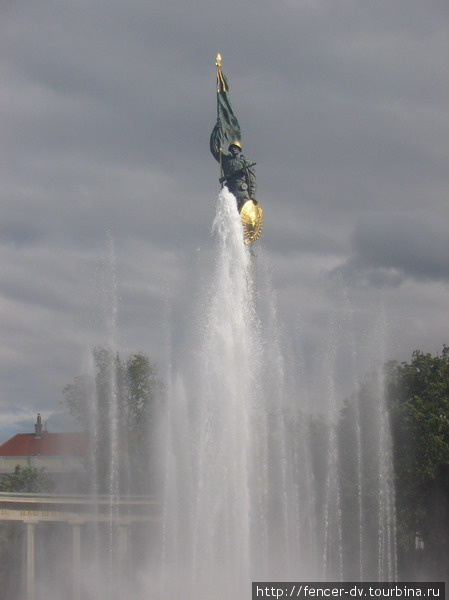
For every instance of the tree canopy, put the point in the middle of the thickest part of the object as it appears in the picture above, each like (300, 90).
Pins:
(27, 480)
(418, 397)
(115, 406)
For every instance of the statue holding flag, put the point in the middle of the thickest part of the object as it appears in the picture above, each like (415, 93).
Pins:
(236, 171)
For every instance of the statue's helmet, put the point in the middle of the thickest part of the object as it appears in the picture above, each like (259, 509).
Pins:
(235, 143)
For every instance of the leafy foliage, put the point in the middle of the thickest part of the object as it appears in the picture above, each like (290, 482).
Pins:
(417, 397)
(127, 391)
(418, 394)
(27, 480)
(419, 400)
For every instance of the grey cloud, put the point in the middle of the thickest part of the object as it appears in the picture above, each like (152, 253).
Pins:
(106, 112)
(387, 249)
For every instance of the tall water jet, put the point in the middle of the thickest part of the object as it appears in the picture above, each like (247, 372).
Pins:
(332, 542)
(105, 443)
(232, 506)
(387, 558)
(366, 469)
(213, 443)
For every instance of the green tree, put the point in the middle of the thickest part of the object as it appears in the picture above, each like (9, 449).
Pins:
(418, 395)
(115, 406)
(27, 480)
(143, 386)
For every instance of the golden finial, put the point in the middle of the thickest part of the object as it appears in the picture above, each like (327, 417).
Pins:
(221, 84)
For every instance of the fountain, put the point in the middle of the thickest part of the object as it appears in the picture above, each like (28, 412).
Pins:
(251, 485)
(244, 499)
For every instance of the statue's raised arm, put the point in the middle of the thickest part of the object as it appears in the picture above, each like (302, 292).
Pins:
(236, 171)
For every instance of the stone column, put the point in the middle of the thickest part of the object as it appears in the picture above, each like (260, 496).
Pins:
(123, 540)
(76, 554)
(29, 562)
(123, 556)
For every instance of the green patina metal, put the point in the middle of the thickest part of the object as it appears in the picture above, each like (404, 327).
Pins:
(236, 171)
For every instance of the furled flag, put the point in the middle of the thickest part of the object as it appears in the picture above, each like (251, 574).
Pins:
(227, 128)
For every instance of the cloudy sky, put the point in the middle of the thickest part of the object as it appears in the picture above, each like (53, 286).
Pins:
(106, 177)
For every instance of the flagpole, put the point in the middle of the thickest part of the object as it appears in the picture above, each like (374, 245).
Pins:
(220, 83)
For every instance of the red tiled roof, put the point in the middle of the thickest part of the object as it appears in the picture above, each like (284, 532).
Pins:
(50, 444)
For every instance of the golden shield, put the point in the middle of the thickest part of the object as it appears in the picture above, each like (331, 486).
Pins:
(251, 216)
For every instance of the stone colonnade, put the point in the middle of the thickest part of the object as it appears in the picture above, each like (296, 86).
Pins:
(76, 572)
(80, 514)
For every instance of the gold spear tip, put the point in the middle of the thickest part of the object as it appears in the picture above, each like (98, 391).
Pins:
(218, 60)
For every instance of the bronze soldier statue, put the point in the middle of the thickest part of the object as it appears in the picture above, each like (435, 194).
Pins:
(236, 171)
